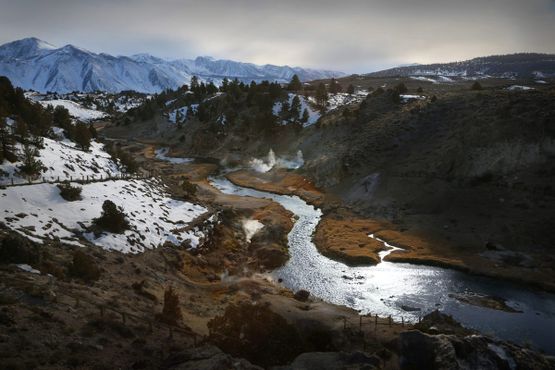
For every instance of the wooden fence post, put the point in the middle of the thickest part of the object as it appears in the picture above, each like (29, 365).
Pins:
(344, 322)
(389, 320)
(360, 323)
(376, 323)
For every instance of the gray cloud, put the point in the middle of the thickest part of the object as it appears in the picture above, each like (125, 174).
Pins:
(351, 35)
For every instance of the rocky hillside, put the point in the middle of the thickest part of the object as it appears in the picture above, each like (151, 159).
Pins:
(523, 65)
(473, 169)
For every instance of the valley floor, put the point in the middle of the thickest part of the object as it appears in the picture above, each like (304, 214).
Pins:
(117, 321)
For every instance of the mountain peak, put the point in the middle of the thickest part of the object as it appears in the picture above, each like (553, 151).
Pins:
(25, 47)
(145, 58)
(204, 59)
(35, 42)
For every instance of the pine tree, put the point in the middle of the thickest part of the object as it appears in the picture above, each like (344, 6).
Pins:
(171, 312)
(61, 118)
(31, 166)
(295, 84)
(335, 87)
(321, 96)
(295, 110)
(82, 136)
(7, 148)
(194, 84)
(112, 218)
(21, 131)
(401, 88)
(350, 89)
(305, 117)
(225, 84)
(285, 110)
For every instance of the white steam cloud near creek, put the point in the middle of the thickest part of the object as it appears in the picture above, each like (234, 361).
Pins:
(271, 161)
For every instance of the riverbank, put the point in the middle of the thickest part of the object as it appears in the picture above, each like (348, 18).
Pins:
(343, 235)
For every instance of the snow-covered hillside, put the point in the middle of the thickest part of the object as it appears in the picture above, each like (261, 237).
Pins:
(76, 110)
(62, 160)
(34, 64)
(339, 99)
(313, 113)
(39, 212)
(88, 107)
(334, 101)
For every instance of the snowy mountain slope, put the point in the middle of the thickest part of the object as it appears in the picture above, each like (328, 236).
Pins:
(76, 110)
(523, 65)
(34, 64)
(90, 106)
(39, 212)
(65, 162)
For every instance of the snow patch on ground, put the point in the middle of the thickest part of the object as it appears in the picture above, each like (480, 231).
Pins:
(424, 79)
(76, 110)
(519, 88)
(313, 114)
(407, 97)
(340, 99)
(39, 212)
(161, 154)
(27, 268)
(183, 111)
(251, 227)
(63, 160)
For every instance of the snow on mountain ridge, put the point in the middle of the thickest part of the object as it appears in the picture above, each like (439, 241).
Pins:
(34, 64)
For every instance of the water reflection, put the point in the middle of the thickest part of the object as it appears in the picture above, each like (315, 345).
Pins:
(404, 290)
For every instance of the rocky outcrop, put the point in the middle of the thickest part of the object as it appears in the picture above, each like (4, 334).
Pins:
(419, 350)
(207, 358)
(333, 360)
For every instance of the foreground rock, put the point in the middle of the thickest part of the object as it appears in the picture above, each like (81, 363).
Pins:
(442, 343)
(207, 358)
(334, 360)
(419, 350)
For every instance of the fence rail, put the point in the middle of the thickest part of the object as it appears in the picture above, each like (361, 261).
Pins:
(83, 179)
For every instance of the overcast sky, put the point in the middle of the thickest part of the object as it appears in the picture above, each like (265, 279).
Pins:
(347, 35)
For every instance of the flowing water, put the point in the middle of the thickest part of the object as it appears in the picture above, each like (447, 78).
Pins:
(403, 290)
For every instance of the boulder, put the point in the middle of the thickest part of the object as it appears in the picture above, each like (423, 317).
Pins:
(333, 360)
(419, 350)
(302, 295)
(206, 358)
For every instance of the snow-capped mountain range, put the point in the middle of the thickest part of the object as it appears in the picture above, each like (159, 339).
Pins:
(522, 65)
(35, 64)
